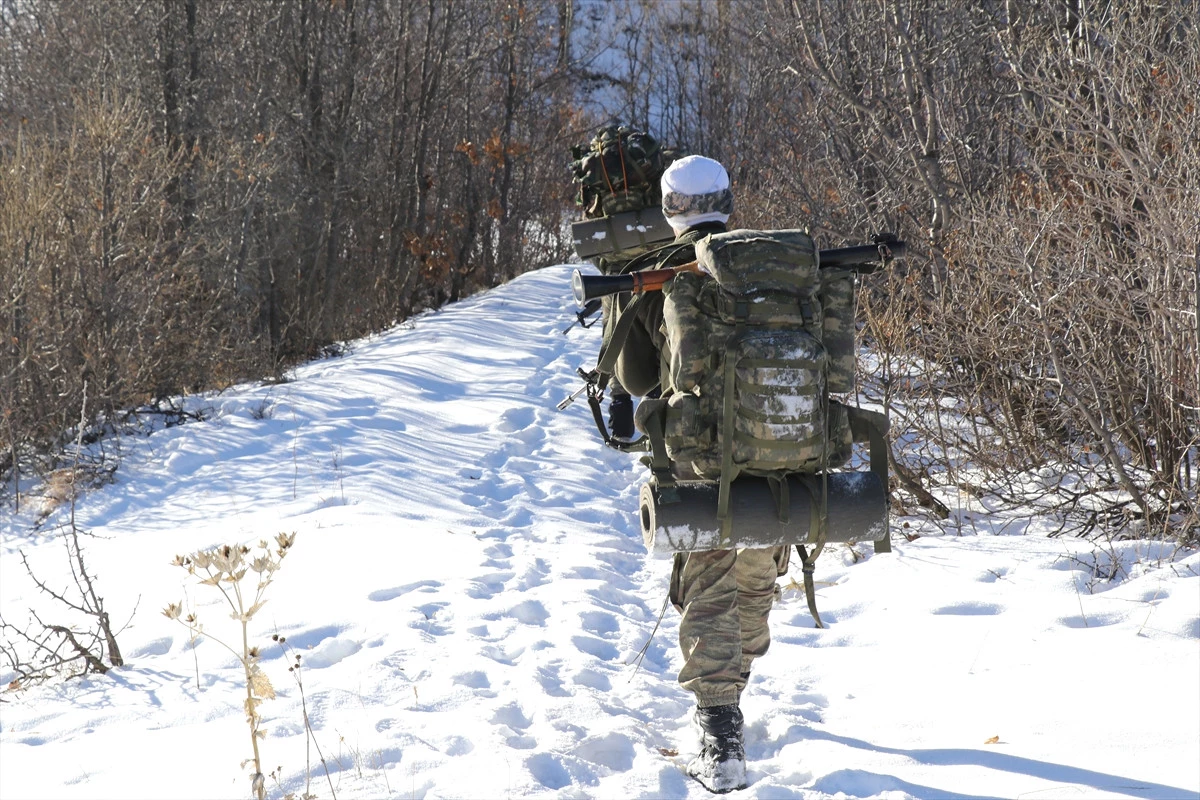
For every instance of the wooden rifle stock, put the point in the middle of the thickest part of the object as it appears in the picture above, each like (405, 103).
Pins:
(589, 287)
(865, 258)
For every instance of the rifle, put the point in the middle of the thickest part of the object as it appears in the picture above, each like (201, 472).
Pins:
(593, 387)
(583, 314)
(863, 259)
(591, 384)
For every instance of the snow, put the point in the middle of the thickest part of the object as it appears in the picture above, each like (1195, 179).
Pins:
(469, 593)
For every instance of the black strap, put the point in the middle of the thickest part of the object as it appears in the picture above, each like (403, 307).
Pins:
(659, 257)
(641, 445)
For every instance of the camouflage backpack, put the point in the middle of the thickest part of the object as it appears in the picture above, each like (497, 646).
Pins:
(755, 351)
(619, 170)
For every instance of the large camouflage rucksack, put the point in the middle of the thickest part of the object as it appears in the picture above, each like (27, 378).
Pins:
(619, 170)
(617, 175)
(757, 338)
(755, 351)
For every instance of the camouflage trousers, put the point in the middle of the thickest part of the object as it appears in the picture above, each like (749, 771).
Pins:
(725, 597)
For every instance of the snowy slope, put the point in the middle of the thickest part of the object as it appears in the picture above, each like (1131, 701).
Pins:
(469, 593)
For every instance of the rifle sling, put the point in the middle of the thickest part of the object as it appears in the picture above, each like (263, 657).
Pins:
(640, 445)
(810, 589)
(607, 359)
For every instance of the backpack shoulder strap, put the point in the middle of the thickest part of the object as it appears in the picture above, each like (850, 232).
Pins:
(661, 257)
(607, 360)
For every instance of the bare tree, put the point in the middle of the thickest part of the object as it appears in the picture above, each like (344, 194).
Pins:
(195, 193)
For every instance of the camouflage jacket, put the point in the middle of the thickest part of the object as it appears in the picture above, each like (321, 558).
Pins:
(642, 365)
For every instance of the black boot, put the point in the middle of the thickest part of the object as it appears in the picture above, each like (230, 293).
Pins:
(721, 765)
(620, 416)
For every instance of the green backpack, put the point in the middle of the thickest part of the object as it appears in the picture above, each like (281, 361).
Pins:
(755, 351)
(618, 171)
(756, 343)
(617, 175)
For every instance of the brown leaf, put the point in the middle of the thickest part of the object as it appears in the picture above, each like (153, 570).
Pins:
(993, 740)
(670, 752)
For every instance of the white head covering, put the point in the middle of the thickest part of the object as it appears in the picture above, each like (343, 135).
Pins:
(695, 189)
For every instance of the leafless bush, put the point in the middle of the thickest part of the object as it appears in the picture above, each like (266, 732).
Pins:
(99, 292)
(193, 194)
(1041, 162)
(1082, 339)
(42, 649)
(64, 485)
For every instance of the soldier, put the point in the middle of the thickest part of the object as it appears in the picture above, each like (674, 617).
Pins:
(724, 596)
(619, 172)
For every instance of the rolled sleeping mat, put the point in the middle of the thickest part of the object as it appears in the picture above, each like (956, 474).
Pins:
(629, 230)
(857, 507)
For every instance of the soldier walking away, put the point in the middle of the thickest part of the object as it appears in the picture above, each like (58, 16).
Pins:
(734, 361)
(617, 174)
(724, 596)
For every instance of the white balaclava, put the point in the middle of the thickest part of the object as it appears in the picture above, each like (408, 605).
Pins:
(695, 189)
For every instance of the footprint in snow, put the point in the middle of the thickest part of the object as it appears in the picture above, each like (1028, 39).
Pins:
(502, 655)
(550, 680)
(593, 680)
(612, 750)
(427, 619)
(454, 746)
(486, 587)
(595, 647)
(498, 555)
(558, 772)
(600, 623)
(330, 652)
(536, 575)
(513, 718)
(516, 419)
(521, 516)
(158, 647)
(1091, 620)
(530, 612)
(383, 595)
(307, 640)
(476, 680)
(969, 609)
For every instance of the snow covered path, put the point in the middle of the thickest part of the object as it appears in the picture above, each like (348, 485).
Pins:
(469, 594)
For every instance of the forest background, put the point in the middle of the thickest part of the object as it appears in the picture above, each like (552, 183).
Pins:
(195, 193)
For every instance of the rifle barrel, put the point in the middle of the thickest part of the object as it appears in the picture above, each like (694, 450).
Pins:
(865, 258)
(862, 254)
